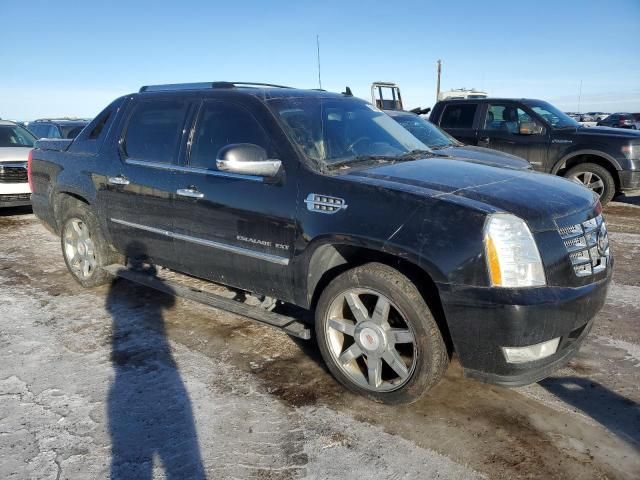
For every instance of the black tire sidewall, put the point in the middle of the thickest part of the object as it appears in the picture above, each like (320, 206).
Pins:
(431, 353)
(103, 258)
(603, 173)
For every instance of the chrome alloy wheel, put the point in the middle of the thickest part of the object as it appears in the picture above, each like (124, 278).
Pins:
(370, 340)
(589, 180)
(79, 249)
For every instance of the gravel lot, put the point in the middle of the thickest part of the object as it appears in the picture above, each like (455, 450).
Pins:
(127, 382)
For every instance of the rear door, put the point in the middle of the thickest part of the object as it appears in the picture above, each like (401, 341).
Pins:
(230, 228)
(458, 119)
(500, 130)
(140, 186)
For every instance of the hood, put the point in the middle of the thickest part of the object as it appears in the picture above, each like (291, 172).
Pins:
(622, 133)
(14, 154)
(538, 198)
(486, 156)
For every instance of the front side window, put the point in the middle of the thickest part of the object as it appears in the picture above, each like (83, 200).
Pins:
(154, 130)
(506, 118)
(15, 136)
(53, 132)
(458, 116)
(339, 130)
(221, 124)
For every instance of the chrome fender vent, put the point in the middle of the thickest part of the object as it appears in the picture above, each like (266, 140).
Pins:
(324, 204)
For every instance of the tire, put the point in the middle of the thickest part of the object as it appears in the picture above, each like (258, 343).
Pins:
(84, 248)
(409, 334)
(590, 174)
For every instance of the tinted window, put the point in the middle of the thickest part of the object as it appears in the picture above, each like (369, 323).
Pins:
(53, 132)
(102, 121)
(458, 116)
(221, 124)
(154, 130)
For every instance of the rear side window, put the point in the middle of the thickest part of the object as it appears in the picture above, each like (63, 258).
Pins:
(154, 130)
(221, 124)
(458, 116)
(102, 121)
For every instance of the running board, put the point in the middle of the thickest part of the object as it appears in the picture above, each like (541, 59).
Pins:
(289, 325)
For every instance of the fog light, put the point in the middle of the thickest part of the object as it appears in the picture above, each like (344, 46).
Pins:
(532, 352)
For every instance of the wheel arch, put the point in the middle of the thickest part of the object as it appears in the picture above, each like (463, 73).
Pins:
(330, 259)
(588, 156)
(62, 198)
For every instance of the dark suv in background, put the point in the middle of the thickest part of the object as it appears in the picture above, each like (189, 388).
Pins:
(57, 128)
(619, 120)
(605, 160)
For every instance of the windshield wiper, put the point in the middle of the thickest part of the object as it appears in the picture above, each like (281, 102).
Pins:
(412, 155)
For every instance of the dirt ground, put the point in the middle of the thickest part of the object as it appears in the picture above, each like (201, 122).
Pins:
(126, 382)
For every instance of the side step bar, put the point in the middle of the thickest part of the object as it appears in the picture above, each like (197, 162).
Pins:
(289, 325)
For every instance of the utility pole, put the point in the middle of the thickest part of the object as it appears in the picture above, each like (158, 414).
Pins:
(580, 96)
(439, 64)
(318, 48)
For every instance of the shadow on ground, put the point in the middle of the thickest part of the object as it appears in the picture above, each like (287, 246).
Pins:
(149, 410)
(613, 411)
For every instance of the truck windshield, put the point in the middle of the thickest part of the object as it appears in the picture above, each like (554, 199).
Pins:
(342, 130)
(552, 115)
(426, 132)
(15, 136)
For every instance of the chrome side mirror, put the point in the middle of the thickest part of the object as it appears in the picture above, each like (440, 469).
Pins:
(247, 159)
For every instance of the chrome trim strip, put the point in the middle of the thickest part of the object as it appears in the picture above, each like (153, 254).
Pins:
(207, 243)
(200, 171)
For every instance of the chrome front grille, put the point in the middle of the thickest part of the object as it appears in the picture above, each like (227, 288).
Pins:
(13, 173)
(588, 246)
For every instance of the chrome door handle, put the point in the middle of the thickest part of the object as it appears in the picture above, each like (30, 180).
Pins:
(119, 180)
(189, 192)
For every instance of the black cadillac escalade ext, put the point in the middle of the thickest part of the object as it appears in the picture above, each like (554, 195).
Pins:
(606, 160)
(323, 201)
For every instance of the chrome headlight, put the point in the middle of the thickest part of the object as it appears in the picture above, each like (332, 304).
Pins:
(513, 259)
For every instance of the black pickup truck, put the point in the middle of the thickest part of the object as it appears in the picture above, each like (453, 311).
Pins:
(604, 159)
(323, 201)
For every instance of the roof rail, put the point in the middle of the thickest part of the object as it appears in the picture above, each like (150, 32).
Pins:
(204, 85)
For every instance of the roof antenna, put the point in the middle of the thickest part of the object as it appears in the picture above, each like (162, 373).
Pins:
(318, 48)
(347, 92)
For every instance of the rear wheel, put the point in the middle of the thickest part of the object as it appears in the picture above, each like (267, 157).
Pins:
(594, 177)
(84, 247)
(377, 335)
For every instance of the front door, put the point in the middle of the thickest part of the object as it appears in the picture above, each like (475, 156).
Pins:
(234, 229)
(501, 131)
(140, 188)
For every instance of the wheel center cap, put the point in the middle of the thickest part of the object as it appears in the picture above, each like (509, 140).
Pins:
(369, 339)
(81, 248)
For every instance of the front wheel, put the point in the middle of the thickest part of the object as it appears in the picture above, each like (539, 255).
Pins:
(596, 178)
(378, 336)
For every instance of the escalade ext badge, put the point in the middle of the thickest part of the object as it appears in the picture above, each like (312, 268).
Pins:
(324, 204)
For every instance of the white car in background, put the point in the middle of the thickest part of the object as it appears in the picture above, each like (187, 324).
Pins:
(15, 144)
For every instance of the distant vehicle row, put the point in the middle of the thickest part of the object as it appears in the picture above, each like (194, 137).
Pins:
(57, 128)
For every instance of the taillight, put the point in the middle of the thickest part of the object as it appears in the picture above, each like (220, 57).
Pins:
(29, 170)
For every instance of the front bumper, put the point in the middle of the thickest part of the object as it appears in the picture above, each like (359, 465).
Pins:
(483, 320)
(14, 194)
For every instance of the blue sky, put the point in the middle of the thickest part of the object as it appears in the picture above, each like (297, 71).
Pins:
(70, 58)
